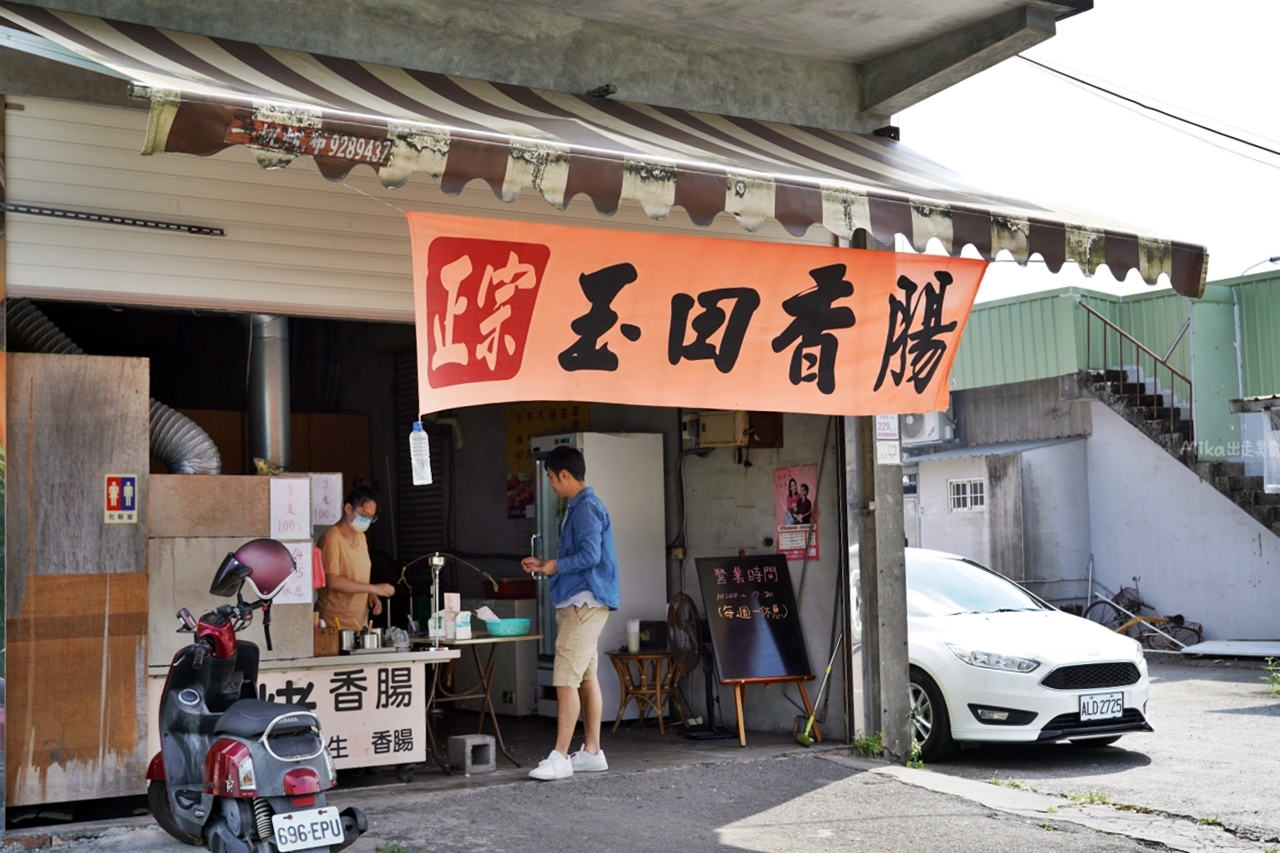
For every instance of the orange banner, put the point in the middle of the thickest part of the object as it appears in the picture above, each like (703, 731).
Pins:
(510, 311)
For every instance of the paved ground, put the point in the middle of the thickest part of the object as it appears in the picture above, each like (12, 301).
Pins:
(1213, 756)
(1215, 752)
(768, 805)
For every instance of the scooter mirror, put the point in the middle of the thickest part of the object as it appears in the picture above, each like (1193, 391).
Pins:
(229, 577)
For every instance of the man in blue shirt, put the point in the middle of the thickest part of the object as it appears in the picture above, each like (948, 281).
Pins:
(583, 587)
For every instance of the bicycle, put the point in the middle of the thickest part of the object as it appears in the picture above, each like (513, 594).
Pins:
(1160, 633)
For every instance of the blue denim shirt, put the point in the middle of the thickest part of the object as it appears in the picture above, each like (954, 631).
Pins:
(587, 558)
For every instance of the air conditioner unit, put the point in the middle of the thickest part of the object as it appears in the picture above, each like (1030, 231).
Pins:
(927, 428)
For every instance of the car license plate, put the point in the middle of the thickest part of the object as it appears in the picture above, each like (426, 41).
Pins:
(307, 829)
(1101, 706)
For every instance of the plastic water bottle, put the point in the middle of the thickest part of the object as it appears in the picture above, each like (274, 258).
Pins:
(420, 455)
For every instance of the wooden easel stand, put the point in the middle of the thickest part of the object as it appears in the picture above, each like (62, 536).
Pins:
(740, 686)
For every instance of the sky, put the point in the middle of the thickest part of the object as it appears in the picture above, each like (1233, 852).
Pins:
(1025, 132)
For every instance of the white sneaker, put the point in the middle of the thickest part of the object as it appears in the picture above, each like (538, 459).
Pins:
(584, 762)
(554, 766)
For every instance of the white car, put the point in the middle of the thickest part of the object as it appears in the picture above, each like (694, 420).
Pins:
(992, 663)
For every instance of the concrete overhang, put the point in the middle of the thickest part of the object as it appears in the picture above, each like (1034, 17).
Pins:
(855, 32)
(823, 63)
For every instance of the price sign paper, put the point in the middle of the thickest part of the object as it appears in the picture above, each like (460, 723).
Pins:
(291, 508)
(326, 499)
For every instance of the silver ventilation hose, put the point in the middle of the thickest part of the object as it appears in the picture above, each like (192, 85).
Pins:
(176, 440)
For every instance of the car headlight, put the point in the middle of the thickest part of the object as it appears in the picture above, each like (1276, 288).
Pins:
(991, 660)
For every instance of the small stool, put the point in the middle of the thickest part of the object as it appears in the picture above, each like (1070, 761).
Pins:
(472, 753)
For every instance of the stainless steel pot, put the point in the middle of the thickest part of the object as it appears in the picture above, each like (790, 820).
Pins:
(346, 640)
(373, 639)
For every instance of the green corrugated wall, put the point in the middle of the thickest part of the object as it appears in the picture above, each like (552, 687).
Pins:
(1044, 335)
(1258, 314)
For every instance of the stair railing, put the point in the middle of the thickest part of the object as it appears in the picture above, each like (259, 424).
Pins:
(1139, 350)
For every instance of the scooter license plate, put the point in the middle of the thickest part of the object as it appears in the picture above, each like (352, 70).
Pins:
(306, 829)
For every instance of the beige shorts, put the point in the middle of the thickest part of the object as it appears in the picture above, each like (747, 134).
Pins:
(577, 644)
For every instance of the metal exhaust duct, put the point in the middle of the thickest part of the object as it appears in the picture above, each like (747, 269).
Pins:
(176, 440)
(269, 389)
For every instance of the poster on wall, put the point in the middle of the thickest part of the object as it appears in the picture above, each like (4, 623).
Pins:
(524, 420)
(795, 507)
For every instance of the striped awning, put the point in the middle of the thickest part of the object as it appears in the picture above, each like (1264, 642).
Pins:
(208, 94)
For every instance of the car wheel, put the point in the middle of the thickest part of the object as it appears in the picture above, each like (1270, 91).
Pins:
(1091, 742)
(930, 723)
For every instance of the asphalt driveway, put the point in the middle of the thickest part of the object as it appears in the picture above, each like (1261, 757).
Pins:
(1215, 752)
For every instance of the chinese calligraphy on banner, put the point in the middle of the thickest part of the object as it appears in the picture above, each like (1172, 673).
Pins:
(524, 420)
(795, 508)
(368, 714)
(509, 311)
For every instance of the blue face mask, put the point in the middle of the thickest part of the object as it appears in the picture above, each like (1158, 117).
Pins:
(360, 523)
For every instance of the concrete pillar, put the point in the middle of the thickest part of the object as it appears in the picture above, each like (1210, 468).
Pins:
(891, 610)
(875, 522)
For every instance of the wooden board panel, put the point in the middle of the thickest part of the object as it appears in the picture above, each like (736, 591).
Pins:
(76, 587)
(337, 443)
(300, 443)
(74, 420)
(77, 688)
(184, 506)
(228, 430)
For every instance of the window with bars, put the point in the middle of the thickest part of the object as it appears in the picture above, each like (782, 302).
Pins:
(967, 495)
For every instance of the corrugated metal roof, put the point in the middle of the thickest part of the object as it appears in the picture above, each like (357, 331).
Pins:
(211, 93)
(1007, 449)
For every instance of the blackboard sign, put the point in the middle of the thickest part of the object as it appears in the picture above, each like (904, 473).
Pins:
(755, 625)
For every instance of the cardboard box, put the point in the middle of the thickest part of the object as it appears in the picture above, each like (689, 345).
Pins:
(457, 626)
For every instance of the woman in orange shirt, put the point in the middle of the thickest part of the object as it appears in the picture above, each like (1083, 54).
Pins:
(348, 597)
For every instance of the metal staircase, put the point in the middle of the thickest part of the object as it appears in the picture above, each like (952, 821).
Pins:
(1162, 412)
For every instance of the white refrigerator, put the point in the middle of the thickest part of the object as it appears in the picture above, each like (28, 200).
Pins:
(625, 470)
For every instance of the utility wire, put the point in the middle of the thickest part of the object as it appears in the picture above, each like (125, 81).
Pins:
(1145, 106)
(1179, 109)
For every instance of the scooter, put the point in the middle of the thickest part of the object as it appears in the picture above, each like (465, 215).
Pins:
(234, 773)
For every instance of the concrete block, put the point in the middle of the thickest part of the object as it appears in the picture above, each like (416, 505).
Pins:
(189, 506)
(473, 753)
(179, 574)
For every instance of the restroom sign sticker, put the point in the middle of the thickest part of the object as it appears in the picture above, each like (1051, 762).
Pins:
(120, 499)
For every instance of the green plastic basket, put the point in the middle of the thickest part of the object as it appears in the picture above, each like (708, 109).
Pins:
(507, 627)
